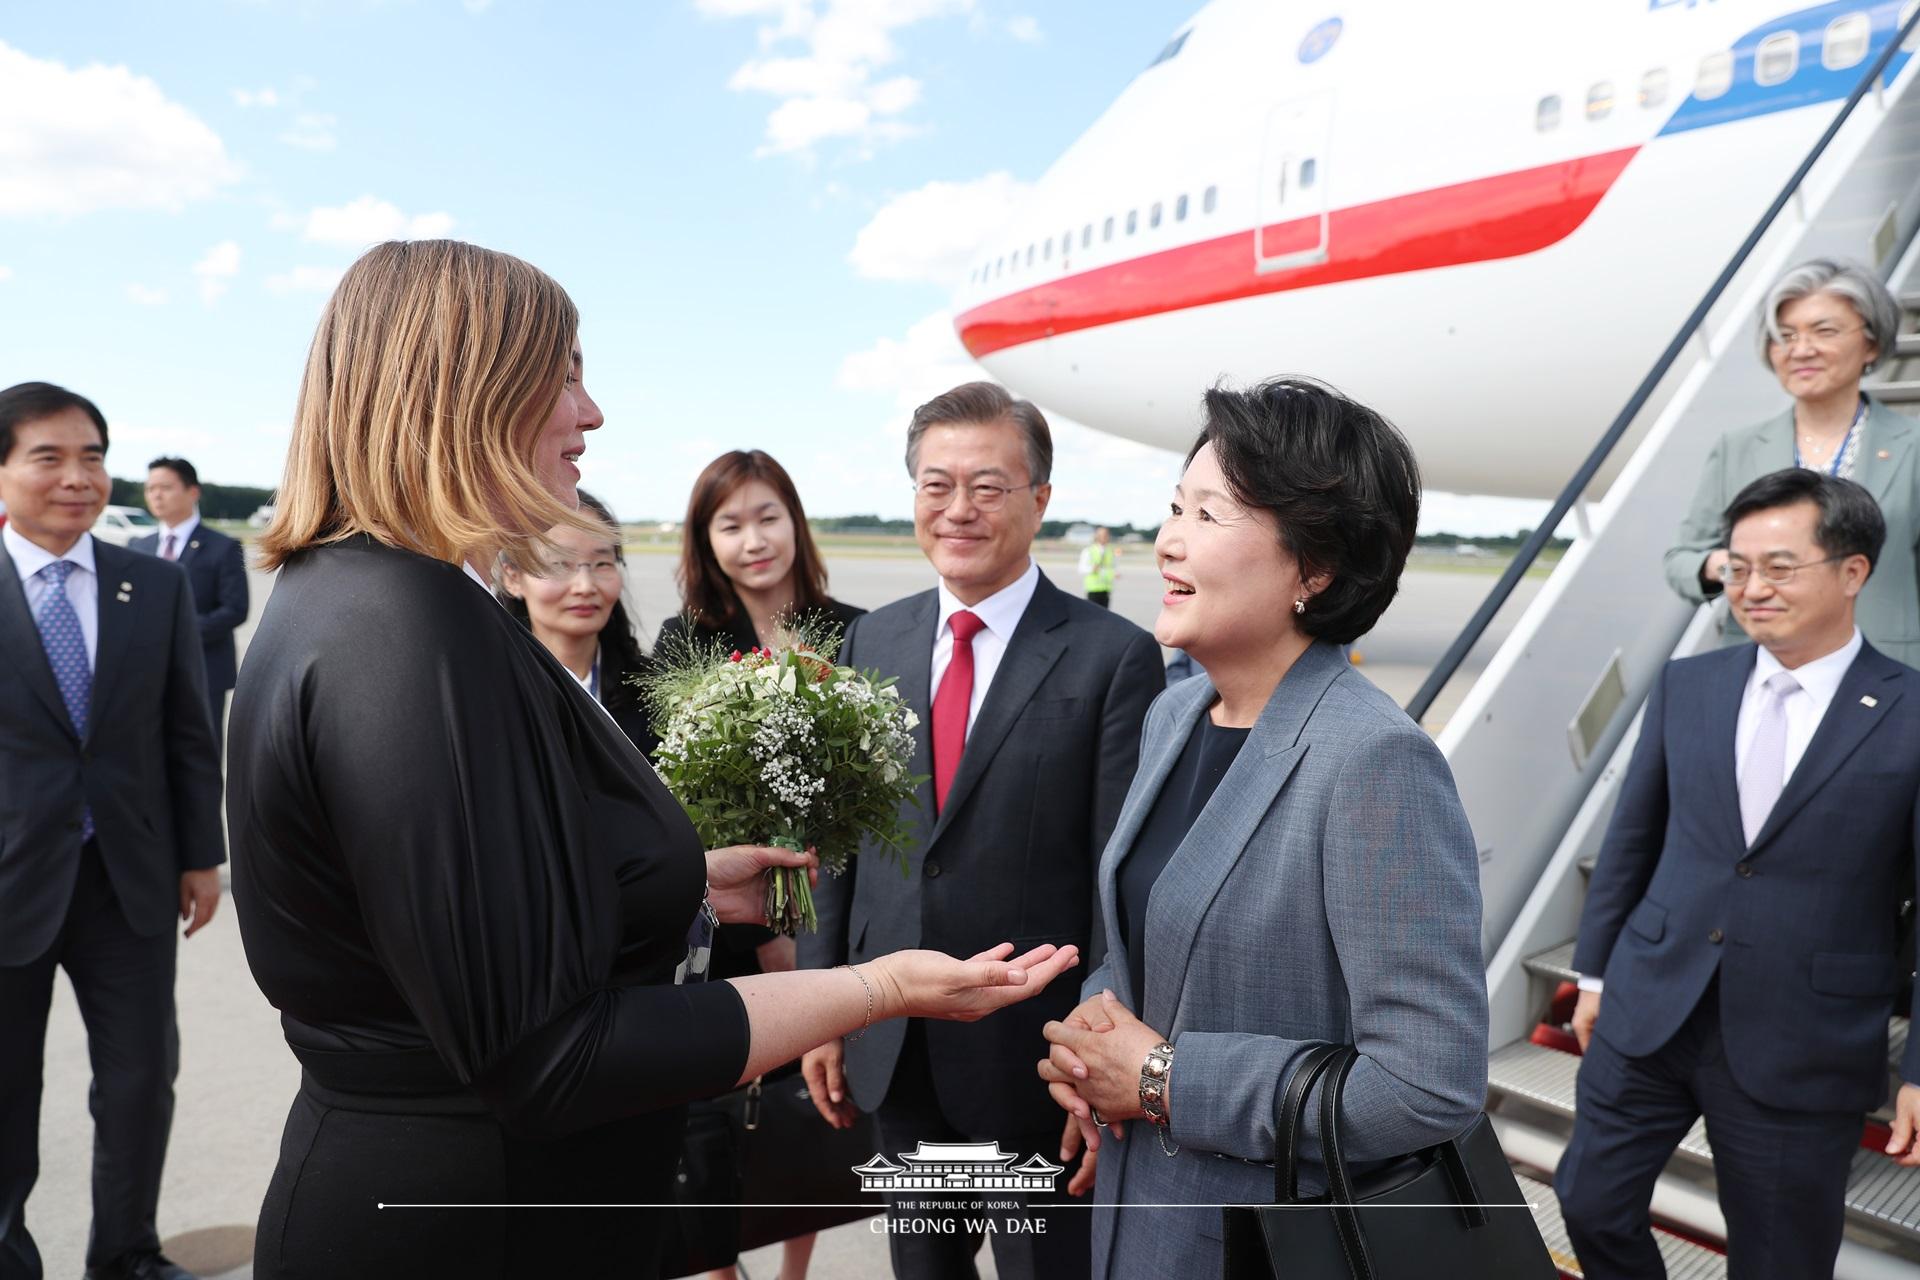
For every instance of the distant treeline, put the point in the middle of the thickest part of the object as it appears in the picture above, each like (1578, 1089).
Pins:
(1058, 529)
(217, 501)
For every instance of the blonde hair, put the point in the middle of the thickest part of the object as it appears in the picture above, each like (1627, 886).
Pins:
(435, 366)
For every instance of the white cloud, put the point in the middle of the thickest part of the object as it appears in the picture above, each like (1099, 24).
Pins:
(146, 297)
(6, 274)
(217, 269)
(366, 221)
(76, 140)
(256, 98)
(829, 89)
(305, 280)
(929, 234)
(311, 131)
(1025, 29)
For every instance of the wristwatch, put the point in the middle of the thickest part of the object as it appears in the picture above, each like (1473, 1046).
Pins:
(1153, 1082)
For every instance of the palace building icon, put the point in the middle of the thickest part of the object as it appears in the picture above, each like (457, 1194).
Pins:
(958, 1166)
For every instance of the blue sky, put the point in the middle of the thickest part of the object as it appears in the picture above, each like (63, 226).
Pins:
(760, 207)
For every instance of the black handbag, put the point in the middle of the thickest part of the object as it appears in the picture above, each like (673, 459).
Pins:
(765, 1148)
(1451, 1210)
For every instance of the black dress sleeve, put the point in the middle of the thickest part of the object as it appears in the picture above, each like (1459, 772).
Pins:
(459, 788)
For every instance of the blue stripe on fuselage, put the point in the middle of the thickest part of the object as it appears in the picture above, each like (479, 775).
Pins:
(1810, 82)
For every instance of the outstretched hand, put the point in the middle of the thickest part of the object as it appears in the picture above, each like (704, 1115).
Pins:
(734, 879)
(931, 984)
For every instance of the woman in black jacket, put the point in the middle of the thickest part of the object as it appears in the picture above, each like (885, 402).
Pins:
(578, 611)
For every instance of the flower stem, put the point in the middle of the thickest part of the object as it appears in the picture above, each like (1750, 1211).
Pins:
(789, 896)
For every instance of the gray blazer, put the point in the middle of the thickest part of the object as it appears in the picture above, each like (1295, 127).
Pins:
(1329, 891)
(1888, 464)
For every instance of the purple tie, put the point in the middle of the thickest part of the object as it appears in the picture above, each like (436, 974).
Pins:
(166, 550)
(1765, 774)
(66, 648)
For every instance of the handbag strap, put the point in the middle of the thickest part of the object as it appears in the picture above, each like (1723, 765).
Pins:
(1288, 1116)
(1346, 1219)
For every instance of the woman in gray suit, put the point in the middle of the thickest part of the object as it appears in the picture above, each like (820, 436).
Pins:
(1826, 324)
(1291, 865)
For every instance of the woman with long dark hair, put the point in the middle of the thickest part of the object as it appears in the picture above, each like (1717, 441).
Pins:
(576, 607)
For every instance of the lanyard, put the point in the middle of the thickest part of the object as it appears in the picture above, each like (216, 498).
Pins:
(1846, 445)
(593, 677)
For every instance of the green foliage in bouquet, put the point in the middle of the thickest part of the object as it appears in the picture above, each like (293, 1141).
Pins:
(780, 746)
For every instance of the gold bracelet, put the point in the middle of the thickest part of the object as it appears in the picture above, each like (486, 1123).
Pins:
(869, 990)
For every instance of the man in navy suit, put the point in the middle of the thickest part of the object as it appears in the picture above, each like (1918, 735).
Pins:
(1738, 945)
(109, 823)
(216, 570)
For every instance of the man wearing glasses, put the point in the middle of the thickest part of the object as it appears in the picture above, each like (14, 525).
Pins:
(1738, 944)
(1030, 703)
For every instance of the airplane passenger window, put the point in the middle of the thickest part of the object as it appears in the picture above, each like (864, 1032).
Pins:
(1106, 230)
(1133, 221)
(1777, 58)
(1546, 116)
(1029, 255)
(1846, 41)
(1046, 249)
(1180, 209)
(1600, 100)
(1086, 236)
(1716, 76)
(1208, 200)
(1153, 215)
(1066, 241)
(1653, 87)
(1309, 172)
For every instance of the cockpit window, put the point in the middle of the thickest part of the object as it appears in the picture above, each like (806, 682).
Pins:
(1172, 50)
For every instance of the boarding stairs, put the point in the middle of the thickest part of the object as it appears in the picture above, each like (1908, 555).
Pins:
(1539, 744)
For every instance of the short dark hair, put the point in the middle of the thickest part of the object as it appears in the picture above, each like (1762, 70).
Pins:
(180, 467)
(1339, 480)
(983, 404)
(26, 402)
(1850, 520)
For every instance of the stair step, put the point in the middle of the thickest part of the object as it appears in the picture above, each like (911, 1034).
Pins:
(1555, 963)
(1907, 344)
(1685, 1260)
(1895, 392)
(1878, 1190)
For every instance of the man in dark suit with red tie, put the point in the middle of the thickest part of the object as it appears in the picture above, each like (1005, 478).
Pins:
(109, 823)
(1031, 703)
(216, 572)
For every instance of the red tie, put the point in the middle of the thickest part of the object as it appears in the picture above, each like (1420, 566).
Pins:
(951, 704)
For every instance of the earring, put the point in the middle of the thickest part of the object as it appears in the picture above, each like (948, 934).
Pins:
(1299, 606)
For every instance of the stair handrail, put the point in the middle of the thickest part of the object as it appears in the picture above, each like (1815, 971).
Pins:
(1523, 560)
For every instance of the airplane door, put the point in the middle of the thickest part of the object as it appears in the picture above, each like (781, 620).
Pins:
(1292, 230)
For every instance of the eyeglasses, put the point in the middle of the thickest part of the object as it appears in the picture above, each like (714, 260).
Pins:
(1825, 335)
(1779, 572)
(598, 570)
(937, 495)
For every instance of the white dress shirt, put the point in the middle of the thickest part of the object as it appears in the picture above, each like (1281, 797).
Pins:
(1001, 613)
(83, 584)
(1805, 707)
(182, 533)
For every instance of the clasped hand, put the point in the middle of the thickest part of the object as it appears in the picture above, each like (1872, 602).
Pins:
(1094, 1065)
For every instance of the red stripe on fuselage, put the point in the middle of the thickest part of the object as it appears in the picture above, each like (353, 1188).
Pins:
(1488, 218)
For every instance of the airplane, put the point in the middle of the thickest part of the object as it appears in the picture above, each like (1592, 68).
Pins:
(1485, 221)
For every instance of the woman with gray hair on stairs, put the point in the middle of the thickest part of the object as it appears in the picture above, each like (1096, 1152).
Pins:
(1827, 323)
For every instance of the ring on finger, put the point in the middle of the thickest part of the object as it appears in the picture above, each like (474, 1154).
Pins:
(1096, 1117)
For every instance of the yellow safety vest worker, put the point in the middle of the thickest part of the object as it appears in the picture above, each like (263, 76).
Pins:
(1098, 563)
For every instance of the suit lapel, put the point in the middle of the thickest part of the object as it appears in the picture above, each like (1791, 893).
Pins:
(189, 550)
(1185, 704)
(1211, 850)
(1724, 693)
(1845, 726)
(1031, 654)
(20, 641)
(1886, 432)
(117, 603)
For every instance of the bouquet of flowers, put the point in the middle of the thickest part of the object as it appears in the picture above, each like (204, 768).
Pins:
(782, 747)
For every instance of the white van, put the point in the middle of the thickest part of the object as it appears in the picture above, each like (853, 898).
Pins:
(121, 525)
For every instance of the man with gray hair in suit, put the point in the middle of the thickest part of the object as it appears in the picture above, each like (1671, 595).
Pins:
(1030, 703)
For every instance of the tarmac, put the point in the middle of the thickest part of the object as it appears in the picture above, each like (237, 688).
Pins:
(237, 1078)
